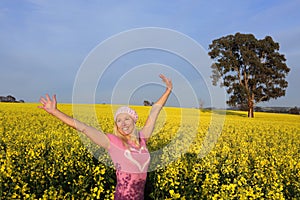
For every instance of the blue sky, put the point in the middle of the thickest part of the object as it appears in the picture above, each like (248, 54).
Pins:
(44, 43)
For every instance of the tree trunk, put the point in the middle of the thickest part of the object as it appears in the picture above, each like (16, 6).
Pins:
(250, 109)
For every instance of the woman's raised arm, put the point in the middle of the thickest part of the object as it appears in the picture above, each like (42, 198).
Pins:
(50, 106)
(156, 107)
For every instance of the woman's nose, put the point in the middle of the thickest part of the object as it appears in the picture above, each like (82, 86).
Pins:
(123, 123)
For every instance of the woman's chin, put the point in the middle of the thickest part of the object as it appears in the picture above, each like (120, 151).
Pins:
(125, 133)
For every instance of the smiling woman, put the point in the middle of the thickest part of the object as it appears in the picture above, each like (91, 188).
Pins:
(127, 147)
(130, 155)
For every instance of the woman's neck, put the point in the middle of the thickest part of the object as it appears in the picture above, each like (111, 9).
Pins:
(133, 138)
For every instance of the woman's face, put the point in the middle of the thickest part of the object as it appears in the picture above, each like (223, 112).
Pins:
(125, 124)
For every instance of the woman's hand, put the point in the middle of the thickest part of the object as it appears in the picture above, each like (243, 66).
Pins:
(167, 81)
(48, 104)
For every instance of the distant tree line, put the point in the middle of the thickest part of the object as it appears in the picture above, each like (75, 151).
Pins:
(295, 110)
(290, 110)
(10, 99)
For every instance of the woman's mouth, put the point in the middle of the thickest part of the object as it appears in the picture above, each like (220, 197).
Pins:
(124, 130)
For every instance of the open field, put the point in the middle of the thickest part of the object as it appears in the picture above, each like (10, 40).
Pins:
(41, 158)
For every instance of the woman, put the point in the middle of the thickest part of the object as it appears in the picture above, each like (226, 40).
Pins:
(127, 147)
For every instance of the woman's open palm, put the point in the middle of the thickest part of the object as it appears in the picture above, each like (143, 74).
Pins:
(48, 104)
(167, 81)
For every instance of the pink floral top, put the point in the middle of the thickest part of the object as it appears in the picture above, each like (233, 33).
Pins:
(131, 167)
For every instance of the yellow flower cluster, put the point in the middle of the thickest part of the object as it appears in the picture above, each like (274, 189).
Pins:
(253, 159)
(42, 158)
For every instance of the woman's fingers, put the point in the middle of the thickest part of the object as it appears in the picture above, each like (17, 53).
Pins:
(162, 77)
(43, 100)
(47, 100)
(47, 97)
(54, 98)
(166, 80)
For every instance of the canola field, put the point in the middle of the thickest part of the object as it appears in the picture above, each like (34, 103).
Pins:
(41, 158)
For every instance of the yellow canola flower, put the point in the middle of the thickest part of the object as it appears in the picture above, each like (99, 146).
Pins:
(42, 158)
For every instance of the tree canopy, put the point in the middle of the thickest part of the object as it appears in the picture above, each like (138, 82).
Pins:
(252, 70)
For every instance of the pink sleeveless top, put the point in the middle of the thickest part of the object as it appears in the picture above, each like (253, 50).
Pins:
(131, 167)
